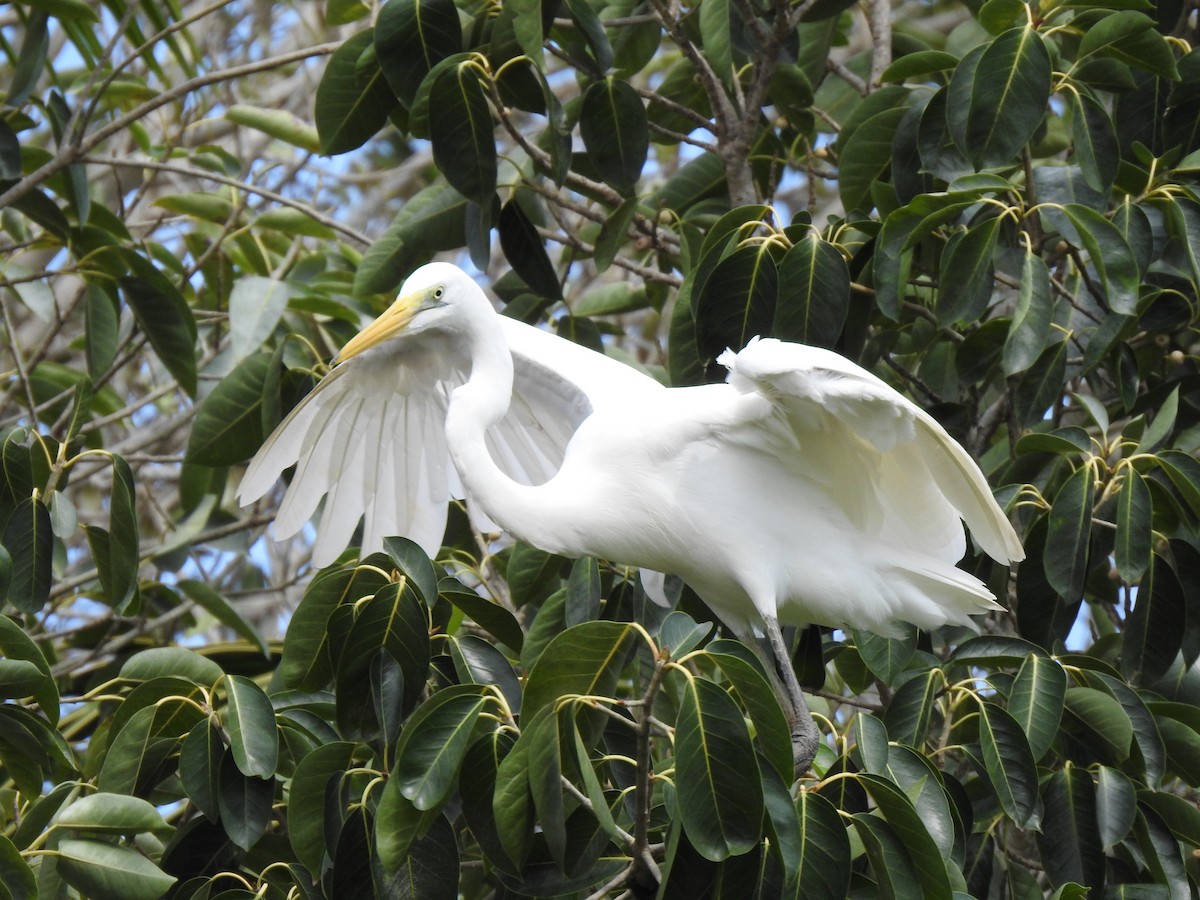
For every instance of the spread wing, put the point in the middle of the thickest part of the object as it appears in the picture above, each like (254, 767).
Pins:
(370, 438)
(887, 457)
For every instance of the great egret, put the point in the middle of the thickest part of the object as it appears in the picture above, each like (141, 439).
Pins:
(803, 490)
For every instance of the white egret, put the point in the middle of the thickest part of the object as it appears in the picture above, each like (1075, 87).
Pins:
(803, 490)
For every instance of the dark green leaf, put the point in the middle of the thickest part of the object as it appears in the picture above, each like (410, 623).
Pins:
(737, 301)
(223, 611)
(823, 867)
(431, 220)
(461, 131)
(15, 874)
(1009, 762)
(1155, 628)
(353, 100)
(612, 123)
(1030, 328)
(814, 293)
(250, 723)
(434, 743)
(907, 716)
(1130, 36)
(245, 804)
(526, 253)
(1010, 88)
(1102, 724)
(29, 540)
(306, 808)
(1069, 533)
(1069, 841)
(1036, 699)
(16, 646)
(907, 825)
(431, 868)
(586, 659)
(109, 870)
(228, 427)
(111, 814)
(164, 317)
(411, 36)
(1135, 512)
(967, 273)
(1116, 806)
(717, 776)
(866, 155)
(1109, 254)
(770, 723)
(894, 872)
(1094, 140)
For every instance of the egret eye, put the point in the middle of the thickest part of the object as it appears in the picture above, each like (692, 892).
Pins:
(439, 292)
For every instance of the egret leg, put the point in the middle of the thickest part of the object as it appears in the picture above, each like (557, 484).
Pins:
(805, 736)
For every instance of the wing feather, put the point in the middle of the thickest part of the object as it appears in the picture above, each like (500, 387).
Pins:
(887, 441)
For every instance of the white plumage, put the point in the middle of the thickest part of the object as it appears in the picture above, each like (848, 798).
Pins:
(803, 490)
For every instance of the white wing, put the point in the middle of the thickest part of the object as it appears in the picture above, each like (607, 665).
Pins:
(370, 438)
(921, 480)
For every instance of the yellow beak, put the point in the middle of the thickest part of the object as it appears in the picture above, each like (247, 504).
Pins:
(390, 323)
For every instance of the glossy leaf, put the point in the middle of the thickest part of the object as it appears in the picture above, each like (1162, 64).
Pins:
(411, 37)
(224, 612)
(111, 814)
(1094, 140)
(1068, 534)
(720, 791)
(1009, 91)
(1154, 631)
(1116, 806)
(1102, 723)
(1135, 510)
(164, 317)
(907, 826)
(814, 293)
(1069, 842)
(229, 427)
(430, 221)
(612, 123)
(250, 722)
(737, 301)
(353, 100)
(29, 540)
(461, 132)
(307, 807)
(1009, 762)
(526, 253)
(586, 660)
(823, 866)
(1035, 701)
(17, 646)
(968, 272)
(435, 741)
(1030, 327)
(108, 870)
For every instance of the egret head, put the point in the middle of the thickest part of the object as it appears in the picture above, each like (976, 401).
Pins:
(437, 295)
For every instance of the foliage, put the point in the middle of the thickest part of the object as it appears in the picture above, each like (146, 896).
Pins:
(995, 206)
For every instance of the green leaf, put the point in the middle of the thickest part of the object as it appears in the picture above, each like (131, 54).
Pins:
(823, 865)
(814, 293)
(1110, 254)
(109, 870)
(146, 665)
(922, 62)
(1068, 534)
(1035, 701)
(865, 155)
(15, 875)
(200, 767)
(353, 100)
(1135, 513)
(717, 776)
(29, 540)
(411, 37)
(306, 664)
(1116, 806)
(1030, 327)
(431, 220)
(586, 659)
(256, 305)
(1132, 38)
(771, 729)
(1009, 762)
(18, 678)
(886, 657)
(435, 741)
(737, 301)
(250, 722)
(1101, 722)
(223, 611)
(431, 866)
(461, 131)
(894, 871)
(968, 273)
(1155, 628)
(907, 716)
(526, 253)
(306, 807)
(908, 826)
(1042, 385)
(228, 427)
(1069, 842)
(105, 813)
(612, 123)
(1094, 140)
(16, 645)
(1010, 89)
(164, 317)
(244, 804)
(278, 123)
